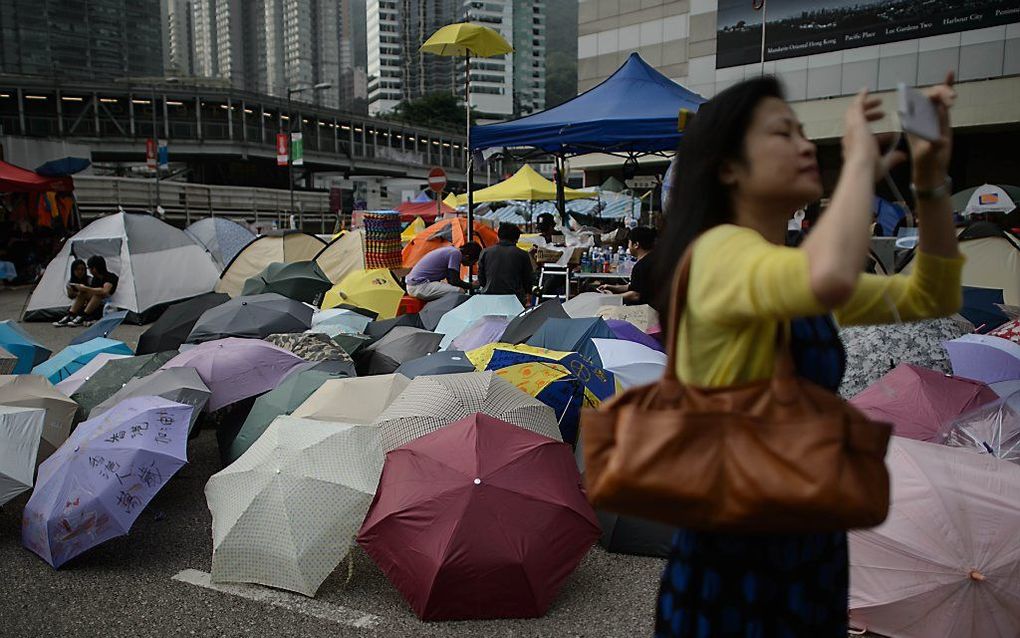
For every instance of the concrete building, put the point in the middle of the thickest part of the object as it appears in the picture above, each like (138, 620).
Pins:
(270, 45)
(529, 56)
(708, 45)
(178, 38)
(396, 69)
(492, 79)
(513, 84)
(99, 39)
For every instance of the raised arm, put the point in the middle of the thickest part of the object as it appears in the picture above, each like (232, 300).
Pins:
(838, 244)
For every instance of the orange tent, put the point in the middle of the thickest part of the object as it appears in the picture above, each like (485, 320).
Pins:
(445, 233)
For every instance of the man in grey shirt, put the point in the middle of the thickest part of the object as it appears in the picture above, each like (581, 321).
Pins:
(505, 269)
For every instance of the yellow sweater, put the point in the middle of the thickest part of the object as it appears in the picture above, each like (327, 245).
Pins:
(742, 286)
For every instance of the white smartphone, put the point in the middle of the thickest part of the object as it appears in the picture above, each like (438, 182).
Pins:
(917, 113)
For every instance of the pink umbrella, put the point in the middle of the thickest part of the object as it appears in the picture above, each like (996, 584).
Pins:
(235, 368)
(917, 400)
(946, 561)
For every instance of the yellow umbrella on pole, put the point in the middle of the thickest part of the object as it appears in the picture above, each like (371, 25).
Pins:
(467, 39)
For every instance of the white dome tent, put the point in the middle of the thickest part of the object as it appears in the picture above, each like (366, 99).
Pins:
(157, 265)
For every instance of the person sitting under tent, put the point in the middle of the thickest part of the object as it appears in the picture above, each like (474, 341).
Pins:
(641, 289)
(88, 304)
(505, 269)
(438, 273)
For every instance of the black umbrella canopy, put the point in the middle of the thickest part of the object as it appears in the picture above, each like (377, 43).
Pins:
(252, 317)
(445, 362)
(300, 280)
(525, 325)
(172, 328)
(635, 536)
(379, 329)
(434, 310)
(114, 375)
(401, 344)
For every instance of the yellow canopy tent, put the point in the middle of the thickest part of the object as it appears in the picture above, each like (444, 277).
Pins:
(412, 230)
(525, 185)
(451, 200)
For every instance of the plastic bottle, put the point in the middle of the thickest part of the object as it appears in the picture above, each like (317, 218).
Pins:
(585, 262)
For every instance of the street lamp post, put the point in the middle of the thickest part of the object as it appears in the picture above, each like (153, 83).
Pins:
(290, 139)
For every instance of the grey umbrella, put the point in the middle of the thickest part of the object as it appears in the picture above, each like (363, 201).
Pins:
(180, 385)
(253, 317)
(400, 344)
(434, 310)
(872, 351)
(445, 362)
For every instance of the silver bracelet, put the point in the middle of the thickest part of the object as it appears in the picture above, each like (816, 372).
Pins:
(943, 189)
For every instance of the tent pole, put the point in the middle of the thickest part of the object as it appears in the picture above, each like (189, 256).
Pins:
(561, 198)
(470, 157)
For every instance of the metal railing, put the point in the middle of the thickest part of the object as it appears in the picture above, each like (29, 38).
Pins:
(184, 203)
(119, 111)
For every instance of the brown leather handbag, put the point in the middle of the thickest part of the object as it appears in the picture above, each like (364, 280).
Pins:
(777, 455)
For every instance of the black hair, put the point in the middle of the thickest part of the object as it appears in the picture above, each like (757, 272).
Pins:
(644, 237)
(97, 262)
(698, 201)
(471, 251)
(508, 232)
(78, 280)
(546, 220)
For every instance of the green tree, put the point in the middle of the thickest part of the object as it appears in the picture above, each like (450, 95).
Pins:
(435, 110)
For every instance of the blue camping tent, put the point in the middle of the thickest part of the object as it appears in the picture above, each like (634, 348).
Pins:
(637, 109)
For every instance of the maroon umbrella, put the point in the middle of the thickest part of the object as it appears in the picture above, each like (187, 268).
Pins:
(481, 519)
(917, 400)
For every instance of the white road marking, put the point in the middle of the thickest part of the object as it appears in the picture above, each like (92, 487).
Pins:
(284, 600)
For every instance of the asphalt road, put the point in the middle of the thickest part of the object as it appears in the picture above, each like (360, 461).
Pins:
(126, 587)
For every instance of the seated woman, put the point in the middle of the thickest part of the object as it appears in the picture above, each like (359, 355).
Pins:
(79, 275)
(89, 298)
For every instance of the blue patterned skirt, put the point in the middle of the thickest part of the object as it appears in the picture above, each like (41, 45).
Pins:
(763, 585)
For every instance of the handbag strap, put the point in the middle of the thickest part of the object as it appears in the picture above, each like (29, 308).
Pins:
(785, 367)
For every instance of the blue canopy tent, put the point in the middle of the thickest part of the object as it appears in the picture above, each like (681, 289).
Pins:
(637, 110)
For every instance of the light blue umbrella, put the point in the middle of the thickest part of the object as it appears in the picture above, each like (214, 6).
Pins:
(97, 483)
(101, 328)
(72, 358)
(15, 340)
(460, 318)
(339, 320)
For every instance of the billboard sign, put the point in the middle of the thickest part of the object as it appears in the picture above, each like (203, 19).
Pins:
(804, 27)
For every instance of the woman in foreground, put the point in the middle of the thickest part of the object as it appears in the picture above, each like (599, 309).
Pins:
(744, 167)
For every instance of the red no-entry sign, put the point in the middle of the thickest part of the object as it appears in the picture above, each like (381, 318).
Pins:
(437, 180)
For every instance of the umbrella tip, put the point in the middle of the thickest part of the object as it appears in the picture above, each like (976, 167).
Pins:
(974, 575)
(478, 481)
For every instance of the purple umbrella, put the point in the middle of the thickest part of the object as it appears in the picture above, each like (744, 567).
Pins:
(235, 369)
(485, 330)
(97, 483)
(629, 332)
(984, 358)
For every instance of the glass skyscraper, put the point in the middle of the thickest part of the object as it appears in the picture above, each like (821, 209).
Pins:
(81, 39)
